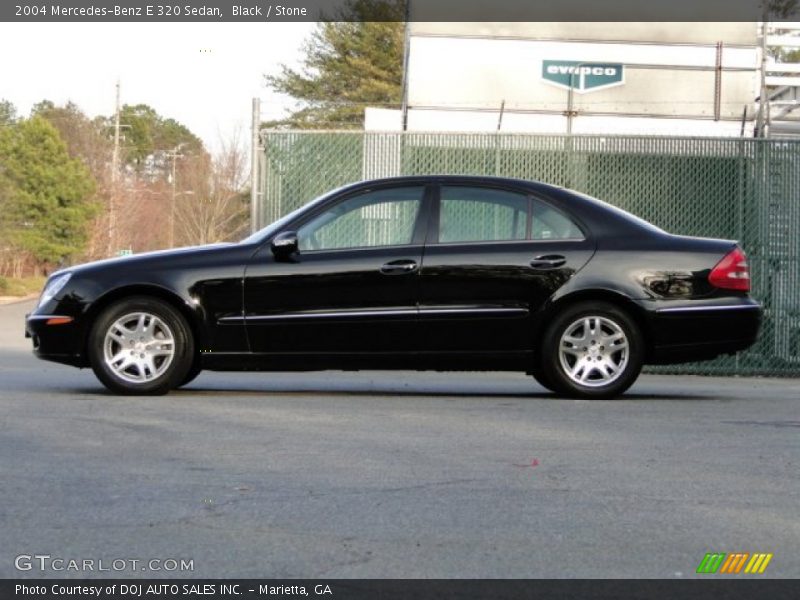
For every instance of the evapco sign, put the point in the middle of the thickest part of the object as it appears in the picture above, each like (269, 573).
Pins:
(583, 77)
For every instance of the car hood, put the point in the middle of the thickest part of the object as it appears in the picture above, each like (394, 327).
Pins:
(135, 260)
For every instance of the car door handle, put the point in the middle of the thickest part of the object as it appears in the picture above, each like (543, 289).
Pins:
(549, 261)
(398, 267)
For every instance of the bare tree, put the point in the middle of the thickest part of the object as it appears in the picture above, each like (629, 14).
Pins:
(143, 215)
(211, 204)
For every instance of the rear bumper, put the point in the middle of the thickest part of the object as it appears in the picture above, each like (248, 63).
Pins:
(54, 339)
(690, 332)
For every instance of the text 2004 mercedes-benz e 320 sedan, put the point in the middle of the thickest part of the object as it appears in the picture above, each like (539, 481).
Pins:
(446, 273)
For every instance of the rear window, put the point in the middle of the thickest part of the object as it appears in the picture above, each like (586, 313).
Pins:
(482, 214)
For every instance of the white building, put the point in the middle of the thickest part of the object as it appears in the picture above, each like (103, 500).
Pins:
(624, 78)
(784, 81)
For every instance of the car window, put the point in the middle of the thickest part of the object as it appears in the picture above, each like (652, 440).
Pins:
(475, 214)
(377, 218)
(550, 224)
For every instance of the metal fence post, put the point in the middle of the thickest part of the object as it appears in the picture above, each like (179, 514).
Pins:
(255, 175)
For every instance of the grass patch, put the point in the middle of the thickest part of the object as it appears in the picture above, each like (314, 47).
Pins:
(25, 286)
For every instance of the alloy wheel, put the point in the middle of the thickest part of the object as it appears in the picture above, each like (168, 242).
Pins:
(593, 351)
(138, 347)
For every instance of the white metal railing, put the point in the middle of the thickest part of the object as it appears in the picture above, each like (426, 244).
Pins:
(783, 35)
(784, 41)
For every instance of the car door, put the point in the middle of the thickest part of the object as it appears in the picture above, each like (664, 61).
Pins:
(493, 257)
(352, 286)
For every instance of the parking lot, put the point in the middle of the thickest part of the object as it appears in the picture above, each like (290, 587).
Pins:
(394, 474)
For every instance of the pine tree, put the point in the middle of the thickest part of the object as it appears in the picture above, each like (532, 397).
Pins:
(44, 193)
(348, 65)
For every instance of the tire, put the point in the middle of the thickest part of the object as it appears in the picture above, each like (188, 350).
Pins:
(592, 350)
(194, 371)
(540, 375)
(141, 346)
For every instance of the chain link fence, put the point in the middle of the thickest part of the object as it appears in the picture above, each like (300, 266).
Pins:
(735, 188)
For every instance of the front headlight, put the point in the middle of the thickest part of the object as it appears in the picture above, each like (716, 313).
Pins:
(55, 285)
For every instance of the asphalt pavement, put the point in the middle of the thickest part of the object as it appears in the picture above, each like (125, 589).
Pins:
(391, 474)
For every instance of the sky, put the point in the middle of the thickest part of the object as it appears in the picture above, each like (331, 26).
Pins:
(201, 74)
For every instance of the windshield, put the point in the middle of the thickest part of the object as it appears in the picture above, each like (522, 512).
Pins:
(270, 229)
(275, 227)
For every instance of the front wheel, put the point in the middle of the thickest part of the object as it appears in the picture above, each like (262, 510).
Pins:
(194, 371)
(592, 350)
(540, 375)
(141, 346)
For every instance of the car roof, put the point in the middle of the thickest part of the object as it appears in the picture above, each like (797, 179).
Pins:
(511, 181)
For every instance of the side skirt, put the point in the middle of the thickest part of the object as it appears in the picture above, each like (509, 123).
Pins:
(421, 361)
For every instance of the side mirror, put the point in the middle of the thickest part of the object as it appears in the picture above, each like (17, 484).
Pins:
(284, 244)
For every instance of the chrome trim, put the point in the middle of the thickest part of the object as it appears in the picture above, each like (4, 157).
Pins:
(375, 313)
(232, 319)
(505, 242)
(46, 317)
(679, 309)
(308, 251)
(457, 311)
(328, 314)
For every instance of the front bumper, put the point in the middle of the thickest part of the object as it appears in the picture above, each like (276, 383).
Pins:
(701, 331)
(55, 338)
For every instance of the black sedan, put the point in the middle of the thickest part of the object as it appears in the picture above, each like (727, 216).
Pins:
(437, 272)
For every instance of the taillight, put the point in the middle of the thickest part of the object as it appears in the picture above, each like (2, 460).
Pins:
(732, 272)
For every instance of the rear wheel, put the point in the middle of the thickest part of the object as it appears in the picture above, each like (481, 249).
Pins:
(141, 346)
(592, 350)
(540, 375)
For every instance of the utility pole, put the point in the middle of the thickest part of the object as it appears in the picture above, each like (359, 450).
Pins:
(112, 224)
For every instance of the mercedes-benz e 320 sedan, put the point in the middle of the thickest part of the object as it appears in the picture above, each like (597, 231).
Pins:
(445, 273)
